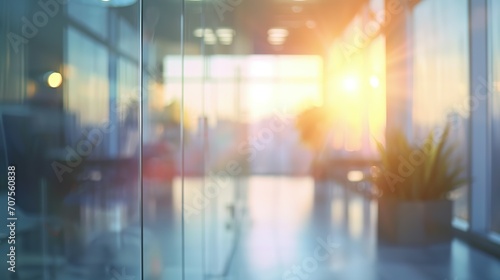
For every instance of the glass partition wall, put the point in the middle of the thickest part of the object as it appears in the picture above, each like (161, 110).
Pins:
(71, 142)
(129, 129)
(117, 123)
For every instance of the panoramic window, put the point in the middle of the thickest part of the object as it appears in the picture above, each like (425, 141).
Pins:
(440, 78)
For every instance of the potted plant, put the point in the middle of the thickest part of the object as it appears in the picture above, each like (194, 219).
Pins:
(415, 181)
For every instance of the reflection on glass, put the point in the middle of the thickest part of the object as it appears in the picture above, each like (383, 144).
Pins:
(162, 141)
(69, 129)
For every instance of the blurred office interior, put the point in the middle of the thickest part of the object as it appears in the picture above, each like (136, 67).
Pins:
(241, 139)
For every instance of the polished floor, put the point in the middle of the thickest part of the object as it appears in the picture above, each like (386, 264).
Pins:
(287, 229)
(291, 218)
(294, 228)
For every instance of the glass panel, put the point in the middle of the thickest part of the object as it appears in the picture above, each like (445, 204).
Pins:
(223, 168)
(91, 17)
(494, 92)
(70, 140)
(440, 46)
(251, 98)
(88, 96)
(162, 140)
(197, 223)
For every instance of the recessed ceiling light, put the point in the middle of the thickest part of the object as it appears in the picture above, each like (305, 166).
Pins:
(198, 32)
(276, 40)
(210, 39)
(225, 32)
(277, 32)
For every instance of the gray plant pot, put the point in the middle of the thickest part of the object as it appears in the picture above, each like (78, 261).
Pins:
(414, 223)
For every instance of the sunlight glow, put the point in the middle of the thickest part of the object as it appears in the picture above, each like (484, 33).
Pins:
(356, 91)
(374, 81)
(351, 84)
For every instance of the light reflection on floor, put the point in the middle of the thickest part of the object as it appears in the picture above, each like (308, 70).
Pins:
(289, 214)
(286, 218)
(278, 209)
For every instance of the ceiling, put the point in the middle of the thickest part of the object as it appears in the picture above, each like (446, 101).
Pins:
(311, 24)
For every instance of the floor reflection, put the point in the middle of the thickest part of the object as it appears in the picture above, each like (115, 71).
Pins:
(289, 217)
(293, 228)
